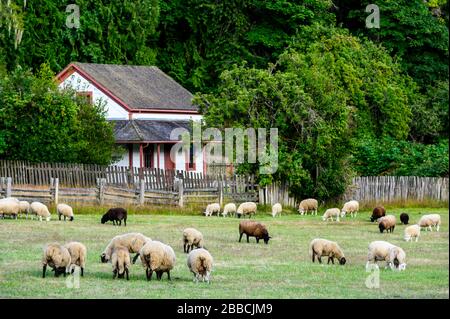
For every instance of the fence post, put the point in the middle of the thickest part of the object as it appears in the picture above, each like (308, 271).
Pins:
(101, 190)
(141, 192)
(8, 187)
(56, 181)
(180, 193)
(261, 195)
(220, 189)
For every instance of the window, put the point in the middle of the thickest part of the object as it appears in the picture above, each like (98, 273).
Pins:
(86, 95)
(148, 156)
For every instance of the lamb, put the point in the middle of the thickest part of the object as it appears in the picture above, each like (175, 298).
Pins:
(120, 260)
(200, 263)
(57, 257)
(212, 208)
(116, 214)
(9, 206)
(308, 205)
(351, 207)
(387, 223)
(330, 213)
(192, 237)
(430, 220)
(253, 229)
(404, 218)
(247, 208)
(24, 208)
(157, 257)
(229, 209)
(133, 241)
(40, 210)
(78, 255)
(377, 213)
(276, 209)
(322, 247)
(394, 256)
(64, 210)
(411, 232)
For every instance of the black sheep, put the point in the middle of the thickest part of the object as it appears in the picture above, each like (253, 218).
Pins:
(404, 218)
(115, 215)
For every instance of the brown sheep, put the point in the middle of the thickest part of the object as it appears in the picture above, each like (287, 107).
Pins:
(253, 229)
(378, 212)
(387, 223)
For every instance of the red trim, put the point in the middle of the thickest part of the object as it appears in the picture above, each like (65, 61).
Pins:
(158, 151)
(88, 94)
(152, 142)
(141, 155)
(204, 161)
(130, 155)
(130, 115)
(168, 164)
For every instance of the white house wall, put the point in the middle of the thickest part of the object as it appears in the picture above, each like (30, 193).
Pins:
(166, 116)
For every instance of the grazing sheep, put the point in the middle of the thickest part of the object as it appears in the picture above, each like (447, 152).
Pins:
(253, 229)
(116, 214)
(411, 232)
(57, 257)
(40, 210)
(404, 218)
(211, 209)
(322, 247)
(247, 208)
(308, 205)
(120, 261)
(192, 237)
(387, 223)
(157, 257)
(382, 250)
(64, 210)
(351, 207)
(430, 220)
(9, 206)
(330, 213)
(24, 208)
(78, 255)
(200, 263)
(229, 209)
(276, 209)
(133, 241)
(377, 213)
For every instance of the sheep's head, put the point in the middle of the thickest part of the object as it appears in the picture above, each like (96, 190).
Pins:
(402, 267)
(71, 218)
(342, 261)
(59, 271)
(103, 258)
(343, 213)
(266, 238)
(104, 219)
(381, 226)
(324, 218)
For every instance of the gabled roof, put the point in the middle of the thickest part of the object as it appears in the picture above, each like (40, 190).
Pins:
(136, 88)
(146, 131)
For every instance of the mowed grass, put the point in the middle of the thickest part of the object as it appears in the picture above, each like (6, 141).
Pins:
(282, 269)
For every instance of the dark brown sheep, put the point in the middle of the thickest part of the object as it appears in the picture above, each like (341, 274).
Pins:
(404, 218)
(116, 214)
(377, 212)
(253, 229)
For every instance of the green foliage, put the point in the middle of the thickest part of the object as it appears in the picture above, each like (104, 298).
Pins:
(40, 123)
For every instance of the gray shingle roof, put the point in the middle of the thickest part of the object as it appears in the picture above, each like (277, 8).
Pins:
(146, 130)
(141, 87)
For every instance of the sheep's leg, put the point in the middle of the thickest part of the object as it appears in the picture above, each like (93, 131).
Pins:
(135, 258)
(114, 223)
(240, 237)
(319, 258)
(437, 227)
(126, 274)
(82, 271)
(44, 269)
(149, 274)
(247, 238)
(114, 273)
(257, 240)
(168, 275)
(59, 216)
(184, 248)
(120, 222)
(313, 256)
(431, 229)
(125, 222)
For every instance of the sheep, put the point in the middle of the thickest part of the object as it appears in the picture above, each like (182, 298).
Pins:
(307, 205)
(9, 206)
(377, 213)
(212, 208)
(115, 215)
(40, 210)
(229, 209)
(200, 263)
(404, 218)
(430, 220)
(322, 247)
(78, 255)
(276, 209)
(121, 263)
(351, 207)
(64, 210)
(387, 223)
(57, 257)
(411, 232)
(133, 241)
(247, 208)
(330, 213)
(394, 256)
(24, 208)
(157, 257)
(253, 229)
(192, 237)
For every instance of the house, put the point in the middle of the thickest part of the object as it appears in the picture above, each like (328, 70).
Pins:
(145, 105)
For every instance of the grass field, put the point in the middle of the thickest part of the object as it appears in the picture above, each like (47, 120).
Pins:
(281, 269)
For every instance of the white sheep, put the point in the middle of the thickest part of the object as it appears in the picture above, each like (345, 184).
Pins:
(247, 208)
(308, 205)
(64, 210)
(9, 206)
(276, 209)
(192, 237)
(322, 247)
(330, 213)
(24, 208)
(133, 241)
(40, 210)
(157, 257)
(430, 220)
(78, 255)
(212, 208)
(351, 207)
(411, 232)
(229, 209)
(200, 263)
(57, 257)
(394, 256)
(121, 262)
